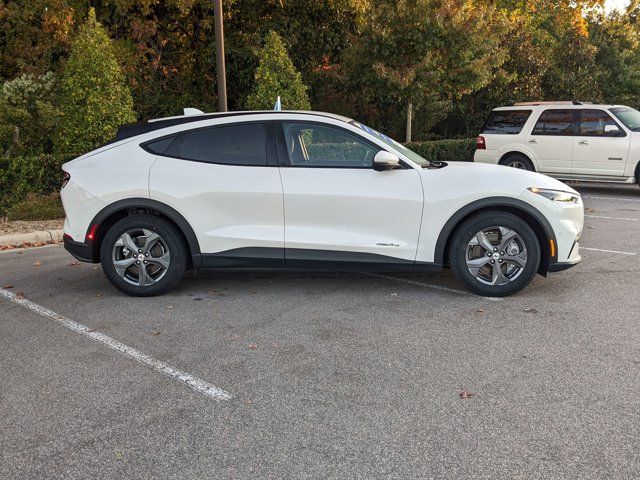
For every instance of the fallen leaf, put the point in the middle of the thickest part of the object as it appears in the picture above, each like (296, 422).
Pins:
(252, 346)
(20, 295)
(90, 330)
(394, 294)
(8, 286)
(531, 310)
(591, 226)
(73, 264)
(590, 210)
(37, 263)
(155, 332)
(169, 307)
(465, 394)
(480, 310)
(247, 402)
(95, 268)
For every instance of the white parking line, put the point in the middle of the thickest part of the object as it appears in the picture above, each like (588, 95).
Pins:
(434, 287)
(195, 383)
(614, 218)
(598, 197)
(607, 251)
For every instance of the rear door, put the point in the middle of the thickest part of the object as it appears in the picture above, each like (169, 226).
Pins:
(337, 208)
(551, 140)
(225, 181)
(601, 145)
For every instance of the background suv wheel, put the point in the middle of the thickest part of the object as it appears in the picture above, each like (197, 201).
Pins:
(143, 255)
(495, 253)
(517, 160)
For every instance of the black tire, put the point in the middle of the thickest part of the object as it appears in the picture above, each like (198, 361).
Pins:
(172, 241)
(467, 231)
(517, 160)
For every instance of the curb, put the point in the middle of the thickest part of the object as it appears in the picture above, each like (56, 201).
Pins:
(43, 236)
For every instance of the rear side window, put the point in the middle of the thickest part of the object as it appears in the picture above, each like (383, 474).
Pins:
(241, 144)
(554, 122)
(506, 122)
(160, 146)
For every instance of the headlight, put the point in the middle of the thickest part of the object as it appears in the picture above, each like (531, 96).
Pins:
(556, 195)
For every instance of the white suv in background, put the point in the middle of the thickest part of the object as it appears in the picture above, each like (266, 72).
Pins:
(566, 140)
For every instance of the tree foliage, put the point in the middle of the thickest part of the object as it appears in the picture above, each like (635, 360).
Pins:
(276, 76)
(94, 97)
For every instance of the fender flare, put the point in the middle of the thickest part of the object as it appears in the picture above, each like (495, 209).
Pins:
(486, 203)
(147, 203)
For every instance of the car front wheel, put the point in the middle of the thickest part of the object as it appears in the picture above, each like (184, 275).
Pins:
(143, 255)
(495, 254)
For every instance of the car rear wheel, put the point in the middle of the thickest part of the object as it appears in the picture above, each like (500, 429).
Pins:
(518, 161)
(495, 254)
(143, 255)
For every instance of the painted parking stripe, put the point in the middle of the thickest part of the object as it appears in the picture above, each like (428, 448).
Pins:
(607, 251)
(625, 199)
(614, 218)
(195, 383)
(433, 286)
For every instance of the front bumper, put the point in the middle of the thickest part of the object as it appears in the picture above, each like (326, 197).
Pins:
(81, 251)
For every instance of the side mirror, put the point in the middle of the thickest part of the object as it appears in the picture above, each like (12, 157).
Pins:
(612, 130)
(385, 161)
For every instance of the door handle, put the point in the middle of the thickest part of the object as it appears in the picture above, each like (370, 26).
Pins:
(583, 142)
(533, 140)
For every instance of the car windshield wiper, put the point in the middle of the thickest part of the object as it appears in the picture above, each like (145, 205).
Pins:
(434, 164)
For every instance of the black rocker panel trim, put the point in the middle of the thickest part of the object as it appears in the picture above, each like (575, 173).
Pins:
(171, 213)
(484, 204)
(300, 258)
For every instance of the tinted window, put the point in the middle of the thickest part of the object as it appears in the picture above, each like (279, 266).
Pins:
(506, 122)
(311, 145)
(554, 122)
(629, 116)
(593, 123)
(160, 146)
(241, 144)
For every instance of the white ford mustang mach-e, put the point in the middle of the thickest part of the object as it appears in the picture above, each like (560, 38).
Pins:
(303, 190)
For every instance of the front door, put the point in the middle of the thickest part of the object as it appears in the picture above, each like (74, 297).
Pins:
(337, 208)
(601, 145)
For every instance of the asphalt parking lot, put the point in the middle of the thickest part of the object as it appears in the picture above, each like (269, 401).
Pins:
(326, 375)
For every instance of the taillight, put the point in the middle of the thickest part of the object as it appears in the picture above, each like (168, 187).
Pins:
(65, 179)
(480, 143)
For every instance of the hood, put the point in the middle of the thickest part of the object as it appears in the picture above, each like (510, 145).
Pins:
(497, 177)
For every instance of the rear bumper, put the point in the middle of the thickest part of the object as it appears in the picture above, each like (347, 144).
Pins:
(81, 251)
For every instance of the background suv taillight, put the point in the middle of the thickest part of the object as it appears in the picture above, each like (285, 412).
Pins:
(65, 179)
(480, 143)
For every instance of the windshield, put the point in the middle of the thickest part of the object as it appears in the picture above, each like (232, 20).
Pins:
(410, 154)
(629, 116)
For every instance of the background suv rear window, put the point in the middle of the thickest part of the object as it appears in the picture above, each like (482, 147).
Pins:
(241, 144)
(506, 122)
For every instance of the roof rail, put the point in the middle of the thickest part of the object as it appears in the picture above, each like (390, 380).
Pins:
(552, 102)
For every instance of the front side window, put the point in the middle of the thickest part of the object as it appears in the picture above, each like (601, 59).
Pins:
(313, 145)
(629, 116)
(506, 122)
(239, 144)
(593, 123)
(554, 122)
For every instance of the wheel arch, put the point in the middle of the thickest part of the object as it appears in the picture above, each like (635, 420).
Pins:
(534, 218)
(113, 212)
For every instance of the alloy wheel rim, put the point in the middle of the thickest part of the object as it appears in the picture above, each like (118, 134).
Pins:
(519, 165)
(496, 256)
(141, 257)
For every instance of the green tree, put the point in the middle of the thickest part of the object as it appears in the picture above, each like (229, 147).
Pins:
(27, 114)
(425, 54)
(94, 97)
(276, 76)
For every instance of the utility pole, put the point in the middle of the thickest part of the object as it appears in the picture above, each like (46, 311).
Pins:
(220, 68)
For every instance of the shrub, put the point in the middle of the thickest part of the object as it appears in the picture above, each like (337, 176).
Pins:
(277, 76)
(21, 176)
(95, 99)
(35, 208)
(445, 150)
